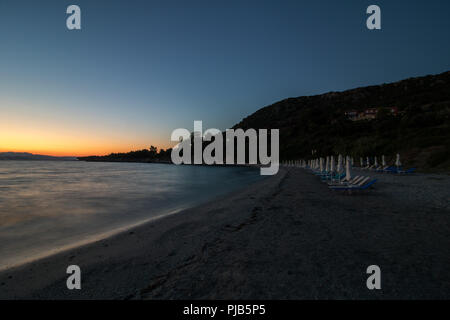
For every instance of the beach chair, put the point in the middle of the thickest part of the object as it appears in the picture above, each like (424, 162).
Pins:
(382, 169)
(358, 179)
(390, 169)
(364, 168)
(333, 177)
(353, 179)
(321, 173)
(344, 182)
(363, 185)
(399, 171)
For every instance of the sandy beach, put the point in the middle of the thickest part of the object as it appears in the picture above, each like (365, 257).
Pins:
(285, 237)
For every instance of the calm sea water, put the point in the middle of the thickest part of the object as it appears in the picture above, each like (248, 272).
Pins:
(48, 206)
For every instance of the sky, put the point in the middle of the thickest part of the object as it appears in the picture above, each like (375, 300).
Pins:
(139, 69)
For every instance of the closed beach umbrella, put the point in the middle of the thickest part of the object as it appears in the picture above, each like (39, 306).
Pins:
(368, 161)
(332, 164)
(321, 164)
(376, 162)
(348, 174)
(339, 164)
(397, 161)
(327, 164)
(383, 162)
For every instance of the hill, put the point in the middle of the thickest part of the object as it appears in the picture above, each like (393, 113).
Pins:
(145, 155)
(30, 156)
(411, 117)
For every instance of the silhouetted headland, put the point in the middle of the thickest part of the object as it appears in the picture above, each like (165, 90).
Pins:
(151, 155)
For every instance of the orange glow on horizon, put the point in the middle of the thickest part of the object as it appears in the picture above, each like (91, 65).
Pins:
(92, 151)
(70, 143)
(78, 153)
(26, 129)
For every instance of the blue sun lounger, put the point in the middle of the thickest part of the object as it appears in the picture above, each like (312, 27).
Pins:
(399, 170)
(353, 186)
(332, 177)
(343, 182)
(411, 170)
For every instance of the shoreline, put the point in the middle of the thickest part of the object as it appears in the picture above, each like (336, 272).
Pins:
(284, 237)
(57, 256)
(91, 239)
(87, 241)
(79, 217)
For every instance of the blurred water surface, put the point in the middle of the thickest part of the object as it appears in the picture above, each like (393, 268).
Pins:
(47, 206)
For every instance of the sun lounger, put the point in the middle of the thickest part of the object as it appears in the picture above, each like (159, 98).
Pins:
(364, 184)
(358, 179)
(352, 180)
(399, 171)
(344, 182)
(332, 177)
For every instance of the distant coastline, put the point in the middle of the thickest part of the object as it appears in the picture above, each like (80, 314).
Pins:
(34, 157)
(106, 159)
(151, 155)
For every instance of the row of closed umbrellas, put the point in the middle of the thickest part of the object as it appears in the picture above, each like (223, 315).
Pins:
(330, 165)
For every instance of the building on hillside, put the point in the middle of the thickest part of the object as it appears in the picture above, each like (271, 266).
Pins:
(368, 114)
(352, 115)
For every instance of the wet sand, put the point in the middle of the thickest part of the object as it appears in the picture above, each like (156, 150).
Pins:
(286, 237)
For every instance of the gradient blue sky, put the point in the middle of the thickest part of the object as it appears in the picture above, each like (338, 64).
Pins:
(139, 69)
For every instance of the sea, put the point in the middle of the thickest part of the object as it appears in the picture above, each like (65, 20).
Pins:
(50, 206)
